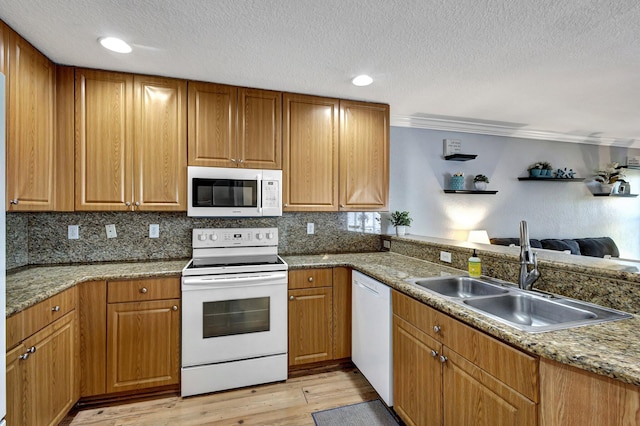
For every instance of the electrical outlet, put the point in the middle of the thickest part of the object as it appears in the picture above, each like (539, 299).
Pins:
(73, 232)
(111, 231)
(386, 244)
(311, 228)
(445, 256)
(154, 231)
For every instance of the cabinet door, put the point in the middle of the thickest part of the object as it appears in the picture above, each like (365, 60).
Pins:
(92, 317)
(160, 149)
(472, 396)
(310, 325)
(4, 42)
(30, 140)
(51, 373)
(16, 396)
(364, 156)
(143, 345)
(417, 375)
(212, 124)
(259, 129)
(310, 146)
(104, 134)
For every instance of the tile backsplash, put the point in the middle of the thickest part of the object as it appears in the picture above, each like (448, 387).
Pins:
(41, 238)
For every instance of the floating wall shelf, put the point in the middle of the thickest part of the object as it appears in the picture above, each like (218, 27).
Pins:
(553, 179)
(459, 191)
(460, 157)
(606, 194)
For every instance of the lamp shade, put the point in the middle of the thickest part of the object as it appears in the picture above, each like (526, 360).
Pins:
(478, 236)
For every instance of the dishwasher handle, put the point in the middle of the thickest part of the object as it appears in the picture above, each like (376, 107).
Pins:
(364, 286)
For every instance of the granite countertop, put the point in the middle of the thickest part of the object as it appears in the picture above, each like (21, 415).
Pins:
(27, 287)
(611, 349)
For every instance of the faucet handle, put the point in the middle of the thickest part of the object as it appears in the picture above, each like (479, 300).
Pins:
(534, 258)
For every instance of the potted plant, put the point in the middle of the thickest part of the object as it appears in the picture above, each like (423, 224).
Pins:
(547, 169)
(400, 220)
(608, 176)
(480, 182)
(457, 181)
(535, 170)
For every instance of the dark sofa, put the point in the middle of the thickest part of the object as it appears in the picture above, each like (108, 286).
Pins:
(594, 247)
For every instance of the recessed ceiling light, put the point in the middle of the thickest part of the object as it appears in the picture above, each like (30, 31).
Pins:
(115, 44)
(362, 80)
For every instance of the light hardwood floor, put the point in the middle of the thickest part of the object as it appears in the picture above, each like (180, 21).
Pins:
(287, 403)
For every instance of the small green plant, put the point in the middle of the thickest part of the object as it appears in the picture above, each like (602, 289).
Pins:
(400, 219)
(546, 165)
(481, 178)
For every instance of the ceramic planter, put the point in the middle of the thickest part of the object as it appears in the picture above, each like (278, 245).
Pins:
(401, 230)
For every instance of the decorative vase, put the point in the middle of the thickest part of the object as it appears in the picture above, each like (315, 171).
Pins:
(535, 172)
(457, 183)
(401, 230)
(606, 188)
(480, 186)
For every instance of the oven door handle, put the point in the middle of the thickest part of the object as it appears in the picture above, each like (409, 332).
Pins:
(251, 280)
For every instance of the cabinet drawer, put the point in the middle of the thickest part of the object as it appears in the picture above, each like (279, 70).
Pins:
(15, 330)
(143, 290)
(44, 313)
(310, 278)
(430, 321)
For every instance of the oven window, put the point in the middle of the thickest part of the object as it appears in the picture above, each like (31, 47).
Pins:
(225, 193)
(229, 317)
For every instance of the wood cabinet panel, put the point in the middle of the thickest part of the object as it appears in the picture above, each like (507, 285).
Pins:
(160, 150)
(104, 138)
(4, 43)
(421, 315)
(364, 156)
(308, 278)
(417, 375)
(92, 320)
(572, 396)
(143, 346)
(341, 312)
(310, 148)
(44, 313)
(15, 329)
(211, 124)
(143, 290)
(65, 138)
(31, 150)
(310, 330)
(474, 397)
(16, 390)
(259, 129)
(51, 375)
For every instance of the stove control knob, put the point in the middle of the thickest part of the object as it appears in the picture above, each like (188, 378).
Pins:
(269, 235)
(202, 237)
(213, 237)
(259, 236)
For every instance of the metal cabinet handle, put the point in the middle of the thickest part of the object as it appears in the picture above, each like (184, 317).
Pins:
(56, 308)
(143, 290)
(233, 160)
(29, 351)
(342, 205)
(310, 279)
(437, 328)
(14, 201)
(128, 204)
(291, 298)
(137, 203)
(434, 353)
(443, 359)
(240, 161)
(286, 205)
(175, 308)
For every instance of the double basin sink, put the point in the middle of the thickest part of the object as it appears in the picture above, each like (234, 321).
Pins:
(528, 311)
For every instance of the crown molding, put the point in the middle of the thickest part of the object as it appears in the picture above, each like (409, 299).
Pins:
(467, 126)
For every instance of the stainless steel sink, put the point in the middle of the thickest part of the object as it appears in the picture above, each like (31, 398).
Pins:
(459, 286)
(525, 310)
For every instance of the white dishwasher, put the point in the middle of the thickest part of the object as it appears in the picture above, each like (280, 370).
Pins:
(371, 349)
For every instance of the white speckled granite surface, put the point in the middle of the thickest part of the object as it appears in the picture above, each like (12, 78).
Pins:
(610, 349)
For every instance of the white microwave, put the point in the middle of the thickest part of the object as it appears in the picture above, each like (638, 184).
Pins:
(225, 192)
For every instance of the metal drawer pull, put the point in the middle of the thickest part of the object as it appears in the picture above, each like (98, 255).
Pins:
(434, 353)
(437, 328)
(14, 201)
(29, 351)
(56, 308)
(443, 359)
(310, 279)
(291, 298)
(143, 290)
(175, 308)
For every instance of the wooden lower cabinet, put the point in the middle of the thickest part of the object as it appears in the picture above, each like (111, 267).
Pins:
(42, 374)
(435, 385)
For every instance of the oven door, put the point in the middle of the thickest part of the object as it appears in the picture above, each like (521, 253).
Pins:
(233, 317)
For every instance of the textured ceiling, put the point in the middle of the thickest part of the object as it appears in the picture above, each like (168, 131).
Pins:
(553, 67)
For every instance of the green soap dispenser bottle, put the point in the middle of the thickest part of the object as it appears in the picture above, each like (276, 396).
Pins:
(475, 265)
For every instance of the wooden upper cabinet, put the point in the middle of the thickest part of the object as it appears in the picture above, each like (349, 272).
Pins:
(234, 127)
(259, 129)
(310, 151)
(212, 124)
(104, 137)
(30, 161)
(160, 156)
(364, 156)
(4, 42)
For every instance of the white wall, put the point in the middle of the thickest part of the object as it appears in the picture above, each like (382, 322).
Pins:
(419, 174)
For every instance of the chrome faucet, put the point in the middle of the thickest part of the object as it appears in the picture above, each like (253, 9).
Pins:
(527, 257)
